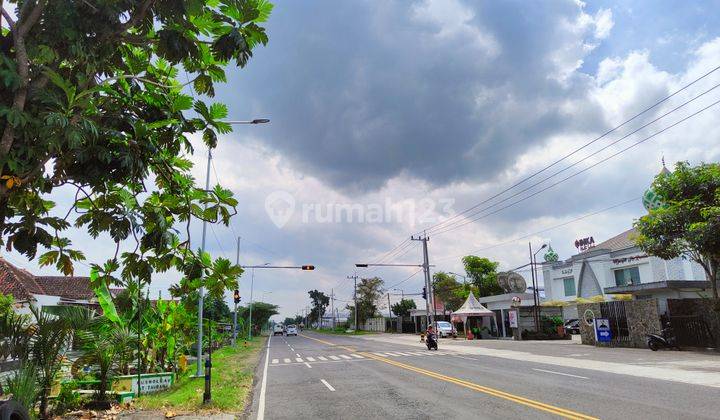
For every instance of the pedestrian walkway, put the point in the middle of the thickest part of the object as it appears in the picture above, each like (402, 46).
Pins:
(354, 356)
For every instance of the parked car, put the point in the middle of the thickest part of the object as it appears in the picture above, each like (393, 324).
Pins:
(445, 329)
(291, 330)
(278, 329)
(572, 326)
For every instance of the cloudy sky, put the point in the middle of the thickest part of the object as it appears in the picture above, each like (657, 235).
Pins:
(388, 116)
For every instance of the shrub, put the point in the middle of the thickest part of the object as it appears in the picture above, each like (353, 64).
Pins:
(68, 399)
(23, 385)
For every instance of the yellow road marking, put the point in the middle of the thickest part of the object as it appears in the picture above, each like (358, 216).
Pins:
(562, 412)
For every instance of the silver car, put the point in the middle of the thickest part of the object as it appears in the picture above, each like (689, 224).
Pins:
(445, 329)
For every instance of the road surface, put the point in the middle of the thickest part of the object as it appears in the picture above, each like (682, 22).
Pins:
(318, 376)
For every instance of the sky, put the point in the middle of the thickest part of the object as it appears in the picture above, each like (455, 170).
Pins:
(389, 117)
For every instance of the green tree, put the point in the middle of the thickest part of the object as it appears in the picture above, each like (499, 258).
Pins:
(688, 222)
(369, 292)
(319, 302)
(91, 99)
(6, 303)
(446, 289)
(403, 307)
(261, 313)
(483, 275)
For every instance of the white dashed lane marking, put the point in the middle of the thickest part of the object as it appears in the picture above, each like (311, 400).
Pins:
(275, 361)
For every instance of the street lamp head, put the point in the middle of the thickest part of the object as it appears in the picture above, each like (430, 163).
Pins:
(361, 265)
(260, 121)
(543, 246)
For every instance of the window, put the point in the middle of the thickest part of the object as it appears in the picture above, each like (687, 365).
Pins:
(627, 276)
(569, 285)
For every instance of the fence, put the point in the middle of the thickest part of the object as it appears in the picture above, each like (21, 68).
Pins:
(374, 324)
(630, 321)
(615, 313)
(695, 322)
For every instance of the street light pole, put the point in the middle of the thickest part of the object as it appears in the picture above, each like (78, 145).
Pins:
(252, 281)
(201, 292)
(199, 370)
(536, 296)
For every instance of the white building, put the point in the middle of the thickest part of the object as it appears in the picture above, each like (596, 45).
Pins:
(618, 266)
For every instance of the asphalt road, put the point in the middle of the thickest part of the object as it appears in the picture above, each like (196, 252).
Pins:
(317, 376)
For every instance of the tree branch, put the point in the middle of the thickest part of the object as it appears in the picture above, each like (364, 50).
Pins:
(11, 23)
(138, 16)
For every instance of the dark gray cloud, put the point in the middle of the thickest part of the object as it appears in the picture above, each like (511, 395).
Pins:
(362, 91)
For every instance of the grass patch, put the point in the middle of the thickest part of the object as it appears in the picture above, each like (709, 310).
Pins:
(232, 377)
(343, 332)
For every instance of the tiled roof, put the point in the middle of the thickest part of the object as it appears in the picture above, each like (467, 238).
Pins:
(17, 282)
(22, 284)
(619, 242)
(76, 288)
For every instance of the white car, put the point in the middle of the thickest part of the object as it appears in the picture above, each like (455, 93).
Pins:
(278, 329)
(445, 329)
(291, 330)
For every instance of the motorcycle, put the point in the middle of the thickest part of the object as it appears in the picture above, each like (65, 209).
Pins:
(431, 341)
(666, 339)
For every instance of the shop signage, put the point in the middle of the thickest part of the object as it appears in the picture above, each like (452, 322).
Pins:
(512, 317)
(602, 330)
(585, 243)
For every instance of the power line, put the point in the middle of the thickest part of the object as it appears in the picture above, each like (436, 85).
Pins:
(544, 230)
(585, 169)
(404, 280)
(644, 111)
(460, 223)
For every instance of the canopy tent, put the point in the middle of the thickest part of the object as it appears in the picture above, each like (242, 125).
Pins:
(471, 308)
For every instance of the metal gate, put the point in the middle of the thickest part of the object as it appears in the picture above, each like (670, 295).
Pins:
(692, 331)
(614, 312)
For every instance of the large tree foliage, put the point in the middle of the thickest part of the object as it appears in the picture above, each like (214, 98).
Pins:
(403, 307)
(483, 275)
(92, 101)
(261, 313)
(448, 290)
(688, 222)
(319, 302)
(369, 292)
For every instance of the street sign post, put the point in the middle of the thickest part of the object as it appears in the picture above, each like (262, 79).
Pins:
(602, 330)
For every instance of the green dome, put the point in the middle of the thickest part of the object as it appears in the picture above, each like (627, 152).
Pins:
(551, 255)
(652, 200)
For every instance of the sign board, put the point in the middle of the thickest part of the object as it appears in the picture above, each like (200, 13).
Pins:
(152, 382)
(602, 330)
(512, 317)
(584, 244)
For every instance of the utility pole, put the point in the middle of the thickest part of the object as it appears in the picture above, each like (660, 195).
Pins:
(535, 301)
(201, 299)
(332, 307)
(354, 278)
(235, 298)
(428, 283)
(389, 313)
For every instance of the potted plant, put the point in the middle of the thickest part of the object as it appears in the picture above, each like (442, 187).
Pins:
(559, 325)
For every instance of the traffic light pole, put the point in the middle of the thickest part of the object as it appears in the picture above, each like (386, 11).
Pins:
(199, 367)
(428, 285)
(236, 296)
(354, 277)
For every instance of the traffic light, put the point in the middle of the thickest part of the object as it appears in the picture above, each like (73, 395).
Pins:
(236, 296)
(424, 295)
(308, 267)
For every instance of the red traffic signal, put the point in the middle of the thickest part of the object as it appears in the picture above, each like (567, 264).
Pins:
(308, 267)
